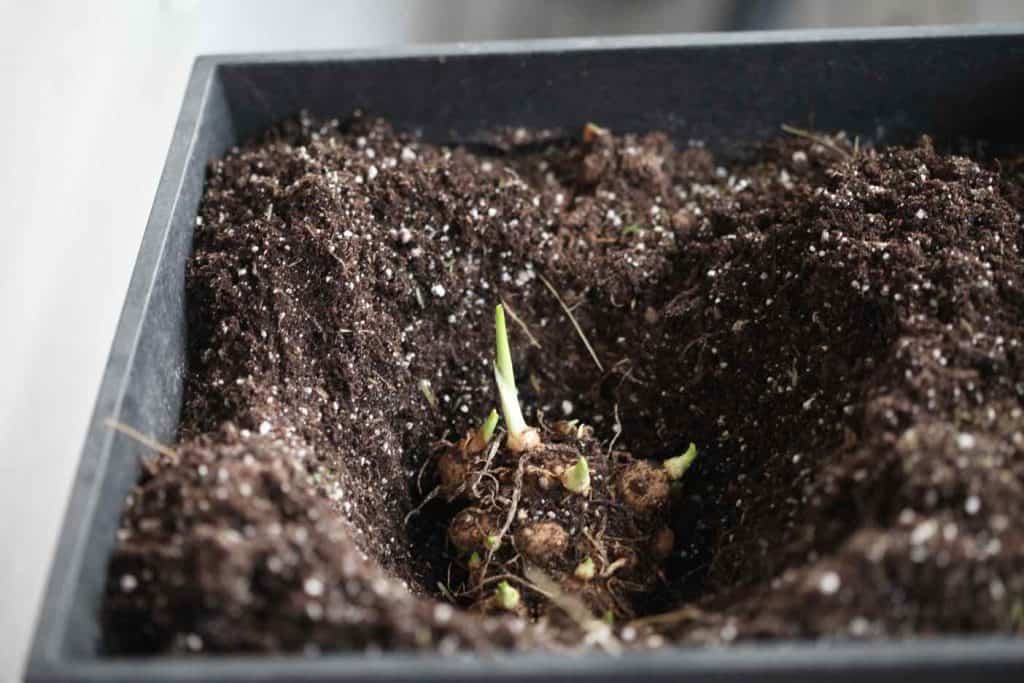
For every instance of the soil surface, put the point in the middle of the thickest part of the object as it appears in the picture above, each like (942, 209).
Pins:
(837, 328)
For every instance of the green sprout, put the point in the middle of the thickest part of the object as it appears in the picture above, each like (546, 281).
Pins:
(477, 440)
(521, 437)
(487, 430)
(506, 596)
(609, 617)
(577, 477)
(585, 570)
(678, 465)
(492, 542)
(474, 561)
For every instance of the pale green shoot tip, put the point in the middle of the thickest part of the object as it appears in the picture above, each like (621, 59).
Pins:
(506, 596)
(577, 477)
(585, 570)
(521, 436)
(490, 424)
(677, 466)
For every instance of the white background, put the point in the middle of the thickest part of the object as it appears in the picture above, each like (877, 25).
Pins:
(88, 97)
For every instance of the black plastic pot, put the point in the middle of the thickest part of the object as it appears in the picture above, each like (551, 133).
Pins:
(885, 85)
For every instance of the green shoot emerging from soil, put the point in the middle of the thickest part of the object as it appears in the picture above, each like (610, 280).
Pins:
(552, 505)
(506, 596)
(487, 431)
(577, 477)
(677, 466)
(479, 439)
(521, 437)
(585, 570)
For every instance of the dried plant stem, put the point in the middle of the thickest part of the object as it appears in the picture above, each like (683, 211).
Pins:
(135, 434)
(820, 139)
(572, 319)
(522, 325)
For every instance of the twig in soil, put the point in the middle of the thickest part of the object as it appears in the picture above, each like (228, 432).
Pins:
(688, 613)
(135, 434)
(522, 325)
(505, 577)
(596, 632)
(572, 319)
(628, 374)
(446, 592)
(327, 248)
(822, 140)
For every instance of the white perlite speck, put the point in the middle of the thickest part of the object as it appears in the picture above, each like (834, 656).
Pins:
(442, 614)
(313, 587)
(438, 291)
(129, 583)
(859, 626)
(829, 583)
(924, 531)
(965, 441)
(264, 427)
(972, 505)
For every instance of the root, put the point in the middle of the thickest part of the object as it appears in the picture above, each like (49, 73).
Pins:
(617, 429)
(491, 451)
(614, 566)
(510, 517)
(596, 543)
(416, 510)
(617, 599)
(572, 319)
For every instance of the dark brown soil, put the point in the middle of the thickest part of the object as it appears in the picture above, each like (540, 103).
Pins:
(838, 330)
